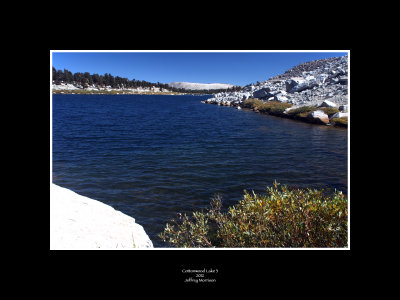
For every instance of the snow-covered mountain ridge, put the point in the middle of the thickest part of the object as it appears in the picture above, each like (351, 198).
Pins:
(200, 86)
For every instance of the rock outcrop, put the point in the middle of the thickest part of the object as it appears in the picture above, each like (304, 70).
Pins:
(310, 83)
(78, 222)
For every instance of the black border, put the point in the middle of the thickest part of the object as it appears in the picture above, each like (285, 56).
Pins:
(163, 268)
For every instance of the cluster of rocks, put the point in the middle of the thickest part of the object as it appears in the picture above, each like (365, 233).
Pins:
(319, 116)
(307, 84)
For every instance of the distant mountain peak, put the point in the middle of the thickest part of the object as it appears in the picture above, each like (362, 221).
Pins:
(200, 86)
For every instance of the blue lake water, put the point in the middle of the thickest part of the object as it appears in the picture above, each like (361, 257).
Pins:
(152, 156)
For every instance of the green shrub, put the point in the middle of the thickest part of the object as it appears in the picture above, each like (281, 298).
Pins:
(284, 217)
(274, 107)
(340, 121)
(252, 103)
(302, 111)
(330, 110)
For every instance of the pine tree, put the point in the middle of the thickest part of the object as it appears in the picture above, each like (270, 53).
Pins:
(96, 79)
(54, 72)
(68, 77)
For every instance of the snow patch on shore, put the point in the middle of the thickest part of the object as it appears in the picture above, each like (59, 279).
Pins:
(72, 87)
(78, 222)
(64, 86)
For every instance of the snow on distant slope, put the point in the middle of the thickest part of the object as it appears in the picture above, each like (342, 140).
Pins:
(200, 86)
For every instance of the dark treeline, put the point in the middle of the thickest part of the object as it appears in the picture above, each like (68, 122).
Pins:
(86, 79)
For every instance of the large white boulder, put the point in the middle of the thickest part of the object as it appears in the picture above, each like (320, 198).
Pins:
(280, 97)
(262, 93)
(320, 116)
(294, 85)
(328, 103)
(78, 222)
(292, 82)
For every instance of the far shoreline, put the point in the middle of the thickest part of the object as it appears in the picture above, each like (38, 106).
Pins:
(116, 92)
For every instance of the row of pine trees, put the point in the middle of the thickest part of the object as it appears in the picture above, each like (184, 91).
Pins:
(86, 79)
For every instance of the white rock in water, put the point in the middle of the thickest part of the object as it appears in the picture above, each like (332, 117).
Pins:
(78, 222)
(319, 114)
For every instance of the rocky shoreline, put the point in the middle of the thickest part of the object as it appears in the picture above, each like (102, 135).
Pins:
(316, 114)
(315, 84)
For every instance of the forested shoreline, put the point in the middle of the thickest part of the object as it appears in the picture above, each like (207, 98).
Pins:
(85, 80)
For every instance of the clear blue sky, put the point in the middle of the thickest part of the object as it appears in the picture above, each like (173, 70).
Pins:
(238, 68)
